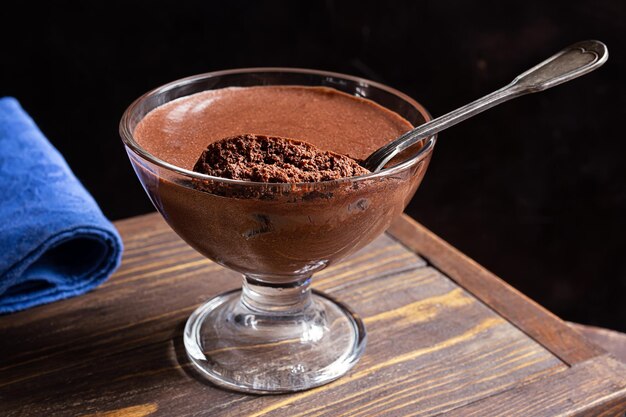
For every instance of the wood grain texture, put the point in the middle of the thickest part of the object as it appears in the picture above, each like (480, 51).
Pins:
(534, 320)
(600, 388)
(433, 347)
(610, 340)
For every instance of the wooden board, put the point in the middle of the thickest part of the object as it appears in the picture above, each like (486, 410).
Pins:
(444, 337)
(610, 340)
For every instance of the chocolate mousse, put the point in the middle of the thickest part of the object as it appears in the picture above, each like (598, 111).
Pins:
(179, 131)
(273, 230)
(261, 158)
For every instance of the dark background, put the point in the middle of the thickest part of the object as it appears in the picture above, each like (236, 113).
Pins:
(534, 190)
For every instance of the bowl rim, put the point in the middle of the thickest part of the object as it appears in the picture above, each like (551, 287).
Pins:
(130, 142)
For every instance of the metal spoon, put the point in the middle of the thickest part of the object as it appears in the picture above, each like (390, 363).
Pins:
(571, 62)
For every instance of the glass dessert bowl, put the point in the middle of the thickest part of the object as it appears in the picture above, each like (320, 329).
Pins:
(275, 334)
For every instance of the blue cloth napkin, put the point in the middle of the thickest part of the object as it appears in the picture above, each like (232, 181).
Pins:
(55, 242)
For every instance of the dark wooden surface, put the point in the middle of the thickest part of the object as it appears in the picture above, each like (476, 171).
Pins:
(537, 322)
(445, 337)
(610, 340)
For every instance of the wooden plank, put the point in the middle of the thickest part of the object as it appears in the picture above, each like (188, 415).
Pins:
(610, 340)
(593, 388)
(413, 361)
(433, 347)
(543, 326)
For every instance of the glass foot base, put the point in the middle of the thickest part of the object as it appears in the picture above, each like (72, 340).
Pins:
(240, 348)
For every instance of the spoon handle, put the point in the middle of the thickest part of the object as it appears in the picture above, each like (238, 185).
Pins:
(571, 62)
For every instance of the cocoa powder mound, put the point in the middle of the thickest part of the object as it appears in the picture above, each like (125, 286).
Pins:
(260, 158)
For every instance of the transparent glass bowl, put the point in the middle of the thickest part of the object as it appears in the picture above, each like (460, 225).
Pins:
(276, 334)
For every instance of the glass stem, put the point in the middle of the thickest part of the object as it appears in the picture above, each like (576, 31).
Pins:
(287, 298)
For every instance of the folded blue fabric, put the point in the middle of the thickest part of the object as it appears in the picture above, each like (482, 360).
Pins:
(54, 240)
